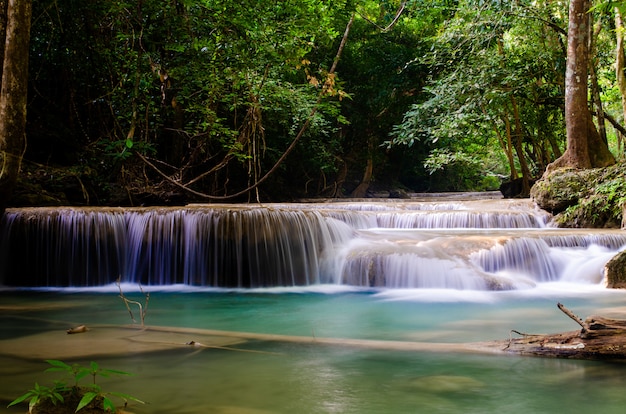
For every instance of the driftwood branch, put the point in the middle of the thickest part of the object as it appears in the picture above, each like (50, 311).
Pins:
(142, 308)
(573, 317)
(600, 338)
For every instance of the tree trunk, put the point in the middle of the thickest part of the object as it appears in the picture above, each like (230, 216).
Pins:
(361, 190)
(594, 32)
(620, 64)
(13, 95)
(505, 145)
(519, 134)
(509, 146)
(585, 148)
(576, 111)
(3, 29)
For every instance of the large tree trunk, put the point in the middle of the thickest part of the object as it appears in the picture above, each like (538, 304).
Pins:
(584, 147)
(13, 94)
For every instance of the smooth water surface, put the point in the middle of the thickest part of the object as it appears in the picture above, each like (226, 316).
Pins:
(279, 377)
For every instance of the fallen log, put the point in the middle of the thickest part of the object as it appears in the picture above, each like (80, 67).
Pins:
(599, 338)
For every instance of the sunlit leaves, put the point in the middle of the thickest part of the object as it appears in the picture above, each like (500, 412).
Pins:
(488, 57)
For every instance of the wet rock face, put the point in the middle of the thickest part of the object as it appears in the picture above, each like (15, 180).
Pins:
(615, 271)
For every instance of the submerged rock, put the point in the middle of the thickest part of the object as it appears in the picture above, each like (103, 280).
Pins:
(447, 384)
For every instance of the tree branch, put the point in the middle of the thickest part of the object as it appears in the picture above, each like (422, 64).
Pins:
(573, 317)
(290, 148)
(393, 22)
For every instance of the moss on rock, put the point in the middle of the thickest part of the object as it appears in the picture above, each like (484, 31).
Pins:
(615, 271)
(583, 198)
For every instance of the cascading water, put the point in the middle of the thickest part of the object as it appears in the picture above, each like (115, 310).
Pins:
(470, 245)
(222, 247)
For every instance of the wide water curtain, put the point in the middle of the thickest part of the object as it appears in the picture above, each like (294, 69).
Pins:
(229, 247)
(469, 245)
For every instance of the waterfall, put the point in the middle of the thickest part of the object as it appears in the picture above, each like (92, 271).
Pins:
(225, 247)
(452, 244)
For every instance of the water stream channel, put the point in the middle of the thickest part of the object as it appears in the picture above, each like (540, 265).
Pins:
(230, 285)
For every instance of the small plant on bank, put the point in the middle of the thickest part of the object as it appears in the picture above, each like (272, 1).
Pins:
(41, 393)
(61, 394)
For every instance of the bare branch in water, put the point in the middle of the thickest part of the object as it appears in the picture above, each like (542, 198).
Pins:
(142, 309)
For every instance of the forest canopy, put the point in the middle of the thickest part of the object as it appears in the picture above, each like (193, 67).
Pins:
(175, 101)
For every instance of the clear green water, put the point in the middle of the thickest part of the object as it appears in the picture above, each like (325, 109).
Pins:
(297, 378)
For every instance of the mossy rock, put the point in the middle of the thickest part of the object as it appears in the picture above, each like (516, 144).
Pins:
(562, 188)
(591, 198)
(615, 271)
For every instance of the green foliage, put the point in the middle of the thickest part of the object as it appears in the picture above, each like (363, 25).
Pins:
(493, 63)
(607, 6)
(441, 158)
(90, 393)
(177, 80)
(218, 90)
(600, 198)
(458, 171)
(76, 371)
(40, 393)
(604, 206)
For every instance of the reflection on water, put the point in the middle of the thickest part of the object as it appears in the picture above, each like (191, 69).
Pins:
(277, 377)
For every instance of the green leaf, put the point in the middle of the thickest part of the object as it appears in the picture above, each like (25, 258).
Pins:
(57, 363)
(58, 366)
(87, 398)
(81, 374)
(33, 402)
(21, 398)
(105, 372)
(126, 397)
(129, 143)
(108, 405)
(56, 397)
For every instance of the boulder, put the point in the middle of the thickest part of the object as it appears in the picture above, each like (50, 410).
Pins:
(615, 271)
(514, 188)
(560, 189)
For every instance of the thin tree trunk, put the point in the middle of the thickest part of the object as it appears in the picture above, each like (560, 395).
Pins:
(509, 146)
(3, 29)
(361, 190)
(503, 144)
(13, 95)
(594, 31)
(520, 150)
(620, 59)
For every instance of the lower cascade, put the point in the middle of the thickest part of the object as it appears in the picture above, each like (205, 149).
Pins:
(468, 245)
